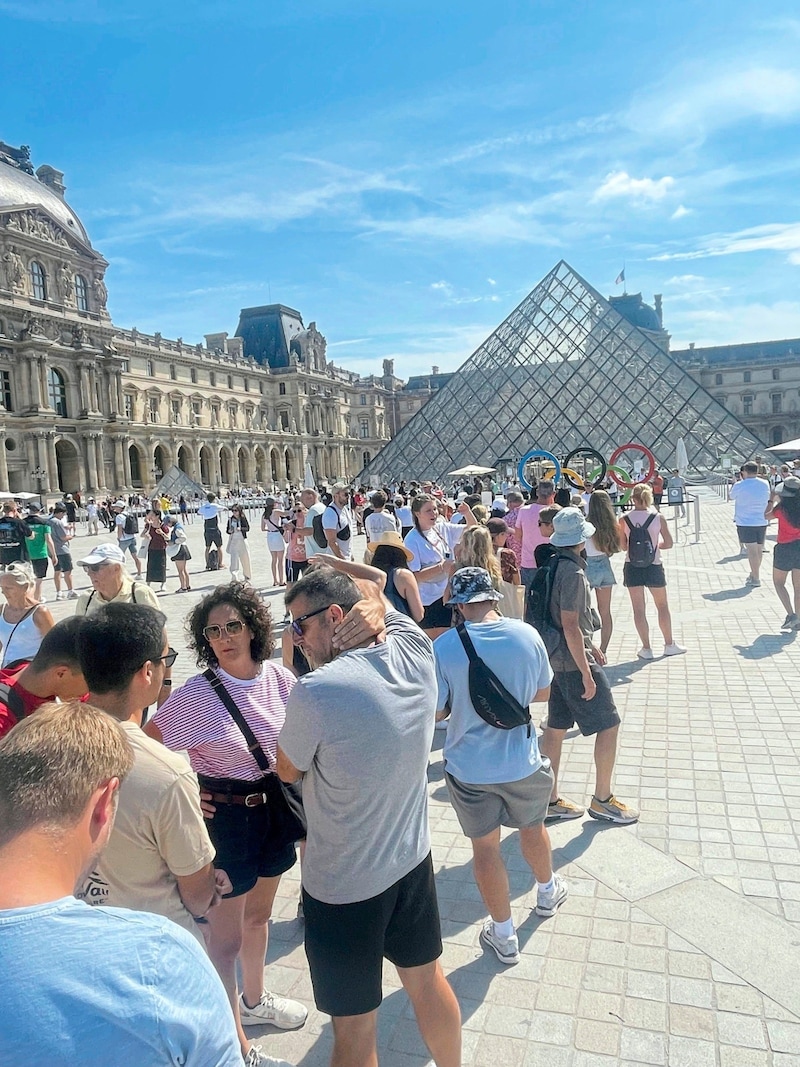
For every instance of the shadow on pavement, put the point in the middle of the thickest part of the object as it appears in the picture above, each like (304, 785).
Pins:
(728, 594)
(622, 673)
(766, 645)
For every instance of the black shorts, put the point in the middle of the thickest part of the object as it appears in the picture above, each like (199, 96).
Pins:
(567, 706)
(40, 567)
(751, 535)
(213, 537)
(786, 557)
(245, 837)
(652, 576)
(63, 563)
(346, 943)
(437, 614)
(294, 568)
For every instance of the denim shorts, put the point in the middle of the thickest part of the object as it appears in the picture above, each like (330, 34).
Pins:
(599, 572)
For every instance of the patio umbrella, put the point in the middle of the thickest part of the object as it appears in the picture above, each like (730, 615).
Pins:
(681, 456)
(787, 446)
(308, 479)
(471, 472)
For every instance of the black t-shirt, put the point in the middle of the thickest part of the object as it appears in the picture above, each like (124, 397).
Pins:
(13, 535)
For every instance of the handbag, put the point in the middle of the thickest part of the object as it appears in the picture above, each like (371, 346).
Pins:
(513, 603)
(293, 817)
(489, 697)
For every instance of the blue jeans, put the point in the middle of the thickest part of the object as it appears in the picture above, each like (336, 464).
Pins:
(527, 575)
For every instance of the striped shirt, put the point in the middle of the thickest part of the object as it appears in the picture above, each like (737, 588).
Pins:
(193, 718)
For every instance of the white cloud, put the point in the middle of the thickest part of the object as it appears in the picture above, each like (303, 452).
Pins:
(694, 102)
(442, 287)
(736, 324)
(685, 279)
(491, 281)
(775, 237)
(619, 184)
(679, 212)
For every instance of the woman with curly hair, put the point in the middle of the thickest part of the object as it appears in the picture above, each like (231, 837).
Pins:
(604, 543)
(230, 632)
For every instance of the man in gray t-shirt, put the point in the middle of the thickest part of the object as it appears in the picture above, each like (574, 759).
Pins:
(358, 731)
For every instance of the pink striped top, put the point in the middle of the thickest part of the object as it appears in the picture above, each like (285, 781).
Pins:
(193, 718)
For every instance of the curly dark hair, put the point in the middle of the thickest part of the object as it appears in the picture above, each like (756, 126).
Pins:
(250, 606)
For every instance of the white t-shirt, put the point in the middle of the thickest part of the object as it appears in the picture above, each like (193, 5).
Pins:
(475, 752)
(430, 549)
(404, 515)
(750, 497)
(380, 522)
(335, 518)
(312, 548)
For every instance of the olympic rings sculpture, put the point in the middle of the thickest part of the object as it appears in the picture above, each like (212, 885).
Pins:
(554, 469)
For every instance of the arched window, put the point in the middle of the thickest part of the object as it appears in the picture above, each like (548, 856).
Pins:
(81, 293)
(38, 281)
(57, 392)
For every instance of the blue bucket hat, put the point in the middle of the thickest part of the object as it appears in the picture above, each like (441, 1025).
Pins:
(570, 528)
(472, 584)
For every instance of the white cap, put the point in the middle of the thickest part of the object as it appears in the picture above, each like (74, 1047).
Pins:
(106, 553)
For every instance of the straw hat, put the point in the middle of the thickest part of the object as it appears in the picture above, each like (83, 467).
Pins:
(393, 540)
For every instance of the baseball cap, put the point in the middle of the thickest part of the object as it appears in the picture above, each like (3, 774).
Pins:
(471, 585)
(119, 504)
(106, 553)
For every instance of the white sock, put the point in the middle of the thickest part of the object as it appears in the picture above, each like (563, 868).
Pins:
(547, 887)
(504, 929)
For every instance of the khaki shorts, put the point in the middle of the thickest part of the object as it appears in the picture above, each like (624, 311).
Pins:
(482, 808)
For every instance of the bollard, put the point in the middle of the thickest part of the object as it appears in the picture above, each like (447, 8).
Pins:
(696, 503)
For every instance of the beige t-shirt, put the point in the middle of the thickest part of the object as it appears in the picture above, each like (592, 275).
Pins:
(159, 833)
(92, 601)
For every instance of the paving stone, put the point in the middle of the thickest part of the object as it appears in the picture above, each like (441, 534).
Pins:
(743, 1030)
(784, 1037)
(687, 1021)
(689, 1052)
(591, 1036)
(642, 1046)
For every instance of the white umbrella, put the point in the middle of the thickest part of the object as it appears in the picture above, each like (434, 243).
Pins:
(308, 479)
(471, 472)
(681, 456)
(787, 446)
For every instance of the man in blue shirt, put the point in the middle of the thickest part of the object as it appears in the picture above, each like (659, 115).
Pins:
(91, 986)
(496, 777)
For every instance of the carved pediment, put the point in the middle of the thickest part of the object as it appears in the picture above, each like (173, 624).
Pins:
(36, 223)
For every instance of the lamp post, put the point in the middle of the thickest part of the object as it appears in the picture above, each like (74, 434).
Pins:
(40, 474)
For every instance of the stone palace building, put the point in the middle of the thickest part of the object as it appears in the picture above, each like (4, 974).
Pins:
(86, 405)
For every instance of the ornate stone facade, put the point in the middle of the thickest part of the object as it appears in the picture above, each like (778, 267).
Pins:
(85, 405)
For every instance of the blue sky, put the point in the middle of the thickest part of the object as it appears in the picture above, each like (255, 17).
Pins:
(404, 172)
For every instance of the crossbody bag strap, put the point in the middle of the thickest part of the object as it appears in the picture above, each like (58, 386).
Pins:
(469, 648)
(253, 744)
(19, 622)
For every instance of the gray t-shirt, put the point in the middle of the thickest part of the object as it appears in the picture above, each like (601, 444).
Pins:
(60, 535)
(571, 593)
(361, 728)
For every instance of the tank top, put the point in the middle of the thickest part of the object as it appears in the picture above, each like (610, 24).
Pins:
(25, 641)
(393, 594)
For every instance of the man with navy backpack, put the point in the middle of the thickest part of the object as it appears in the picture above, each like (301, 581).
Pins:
(580, 691)
(488, 671)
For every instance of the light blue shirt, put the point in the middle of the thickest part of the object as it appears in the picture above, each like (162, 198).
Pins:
(475, 752)
(99, 987)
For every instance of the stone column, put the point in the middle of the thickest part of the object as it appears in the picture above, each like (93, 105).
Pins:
(52, 463)
(3, 463)
(90, 461)
(86, 400)
(34, 381)
(127, 480)
(100, 460)
(119, 463)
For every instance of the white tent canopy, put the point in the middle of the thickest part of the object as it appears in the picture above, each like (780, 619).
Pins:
(787, 446)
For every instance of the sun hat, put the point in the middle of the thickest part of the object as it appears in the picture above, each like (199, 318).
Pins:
(471, 585)
(119, 504)
(106, 553)
(339, 487)
(789, 487)
(570, 528)
(393, 540)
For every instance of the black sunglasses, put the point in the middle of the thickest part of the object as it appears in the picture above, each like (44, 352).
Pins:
(167, 660)
(297, 627)
(93, 568)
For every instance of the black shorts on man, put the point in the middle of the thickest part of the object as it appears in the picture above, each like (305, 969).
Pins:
(568, 708)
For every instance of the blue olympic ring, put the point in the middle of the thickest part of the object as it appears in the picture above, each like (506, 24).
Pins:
(537, 453)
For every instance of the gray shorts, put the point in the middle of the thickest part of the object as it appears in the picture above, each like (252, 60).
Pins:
(482, 808)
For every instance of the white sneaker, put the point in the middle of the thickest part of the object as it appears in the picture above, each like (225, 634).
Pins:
(42, 599)
(674, 650)
(645, 653)
(256, 1057)
(547, 904)
(273, 1011)
(505, 948)
(61, 596)
(72, 595)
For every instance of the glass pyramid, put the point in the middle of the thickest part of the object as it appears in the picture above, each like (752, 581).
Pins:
(564, 371)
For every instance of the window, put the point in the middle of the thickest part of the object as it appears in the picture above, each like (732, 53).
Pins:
(363, 428)
(173, 372)
(282, 388)
(777, 400)
(128, 406)
(748, 377)
(776, 374)
(247, 385)
(124, 366)
(212, 378)
(38, 281)
(284, 419)
(261, 388)
(151, 370)
(97, 402)
(196, 412)
(176, 411)
(230, 381)
(363, 400)
(717, 379)
(747, 404)
(57, 392)
(154, 409)
(5, 388)
(81, 293)
(193, 375)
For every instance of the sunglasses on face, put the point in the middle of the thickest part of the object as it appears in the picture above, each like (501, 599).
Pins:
(167, 660)
(94, 568)
(213, 633)
(297, 625)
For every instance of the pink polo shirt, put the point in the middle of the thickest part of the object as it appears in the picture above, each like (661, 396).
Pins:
(528, 522)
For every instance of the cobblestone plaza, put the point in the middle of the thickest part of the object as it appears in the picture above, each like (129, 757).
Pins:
(680, 942)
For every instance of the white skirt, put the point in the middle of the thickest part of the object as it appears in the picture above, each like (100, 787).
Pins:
(275, 542)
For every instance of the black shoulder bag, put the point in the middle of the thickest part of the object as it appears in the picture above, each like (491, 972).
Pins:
(292, 820)
(489, 696)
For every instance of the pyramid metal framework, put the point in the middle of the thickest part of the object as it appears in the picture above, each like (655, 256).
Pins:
(175, 481)
(564, 371)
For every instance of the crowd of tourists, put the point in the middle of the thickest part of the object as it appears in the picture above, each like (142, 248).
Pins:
(136, 888)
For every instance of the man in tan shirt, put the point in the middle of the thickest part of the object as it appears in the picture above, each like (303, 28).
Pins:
(111, 583)
(159, 857)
